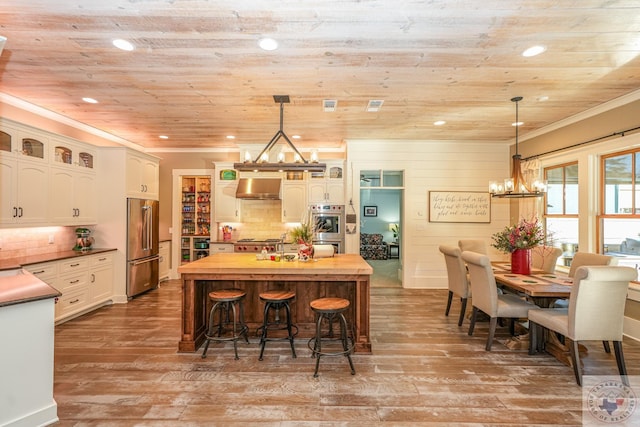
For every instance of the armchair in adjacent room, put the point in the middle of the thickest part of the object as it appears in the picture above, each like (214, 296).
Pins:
(372, 246)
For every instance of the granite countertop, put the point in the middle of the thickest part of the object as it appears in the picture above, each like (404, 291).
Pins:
(247, 264)
(18, 286)
(14, 263)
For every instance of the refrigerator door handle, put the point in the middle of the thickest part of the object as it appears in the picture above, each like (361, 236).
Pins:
(147, 223)
(144, 261)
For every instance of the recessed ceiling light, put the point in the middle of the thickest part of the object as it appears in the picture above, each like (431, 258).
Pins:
(295, 136)
(267, 43)
(329, 105)
(163, 137)
(123, 44)
(533, 51)
(517, 123)
(231, 137)
(374, 105)
(543, 98)
(439, 122)
(90, 100)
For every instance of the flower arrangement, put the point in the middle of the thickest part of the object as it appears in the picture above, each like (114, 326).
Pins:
(524, 235)
(302, 233)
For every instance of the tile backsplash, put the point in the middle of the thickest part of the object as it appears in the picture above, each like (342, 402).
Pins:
(261, 219)
(19, 242)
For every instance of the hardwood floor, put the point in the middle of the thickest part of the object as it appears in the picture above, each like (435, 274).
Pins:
(118, 366)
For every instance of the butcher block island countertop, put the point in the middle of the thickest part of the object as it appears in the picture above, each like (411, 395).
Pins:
(344, 276)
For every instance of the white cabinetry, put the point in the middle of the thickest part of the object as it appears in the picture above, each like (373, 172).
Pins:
(294, 200)
(100, 278)
(45, 271)
(73, 195)
(217, 248)
(164, 250)
(142, 176)
(24, 171)
(85, 281)
(226, 206)
(328, 186)
(23, 191)
(45, 179)
(72, 184)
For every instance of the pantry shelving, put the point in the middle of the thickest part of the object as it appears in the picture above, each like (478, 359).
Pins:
(195, 217)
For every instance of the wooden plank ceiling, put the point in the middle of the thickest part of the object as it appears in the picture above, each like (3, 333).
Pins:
(198, 75)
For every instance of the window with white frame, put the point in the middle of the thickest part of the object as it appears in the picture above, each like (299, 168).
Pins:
(619, 217)
(561, 208)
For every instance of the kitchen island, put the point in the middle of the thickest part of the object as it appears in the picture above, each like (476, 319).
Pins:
(344, 276)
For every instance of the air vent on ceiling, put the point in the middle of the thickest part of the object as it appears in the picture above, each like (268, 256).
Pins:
(374, 105)
(329, 105)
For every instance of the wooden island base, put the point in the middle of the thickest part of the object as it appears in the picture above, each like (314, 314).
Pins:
(344, 276)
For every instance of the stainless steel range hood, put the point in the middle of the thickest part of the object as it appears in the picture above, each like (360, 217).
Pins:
(258, 188)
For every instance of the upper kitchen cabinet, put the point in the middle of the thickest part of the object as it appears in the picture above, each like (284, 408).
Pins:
(72, 155)
(24, 174)
(143, 176)
(72, 184)
(73, 195)
(226, 207)
(327, 186)
(22, 142)
(294, 196)
(23, 192)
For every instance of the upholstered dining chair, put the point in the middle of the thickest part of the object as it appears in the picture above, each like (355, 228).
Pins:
(473, 245)
(457, 278)
(586, 258)
(595, 313)
(544, 258)
(486, 298)
(581, 259)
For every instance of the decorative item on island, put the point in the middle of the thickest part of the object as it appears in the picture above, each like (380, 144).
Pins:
(518, 240)
(303, 235)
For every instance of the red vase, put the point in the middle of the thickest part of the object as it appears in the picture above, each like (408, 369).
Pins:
(521, 261)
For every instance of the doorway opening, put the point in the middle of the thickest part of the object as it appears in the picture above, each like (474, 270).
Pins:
(381, 201)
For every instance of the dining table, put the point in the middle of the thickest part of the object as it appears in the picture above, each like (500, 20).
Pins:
(542, 288)
(539, 287)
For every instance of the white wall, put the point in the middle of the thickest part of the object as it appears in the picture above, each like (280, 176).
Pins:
(431, 166)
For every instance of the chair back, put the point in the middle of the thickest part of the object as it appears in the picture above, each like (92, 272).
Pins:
(456, 271)
(596, 304)
(544, 258)
(473, 245)
(483, 282)
(586, 258)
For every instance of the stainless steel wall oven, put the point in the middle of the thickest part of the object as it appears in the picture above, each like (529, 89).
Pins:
(329, 224)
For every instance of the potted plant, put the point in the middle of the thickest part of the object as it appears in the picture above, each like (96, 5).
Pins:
(518, 240)
(395, 229)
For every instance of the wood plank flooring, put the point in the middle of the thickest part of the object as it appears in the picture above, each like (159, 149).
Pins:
(118, 366)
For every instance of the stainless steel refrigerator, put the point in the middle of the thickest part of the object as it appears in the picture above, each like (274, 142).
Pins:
(142, 246)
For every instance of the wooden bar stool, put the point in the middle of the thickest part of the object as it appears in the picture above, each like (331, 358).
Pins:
(274, 302)
(225, 301)
(331, 309)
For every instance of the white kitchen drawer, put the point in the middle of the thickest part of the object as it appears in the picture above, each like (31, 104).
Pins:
(69, 282)
(95, 261)
(45, 271)
(73, 264)
(72, 301)
(220, 247)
